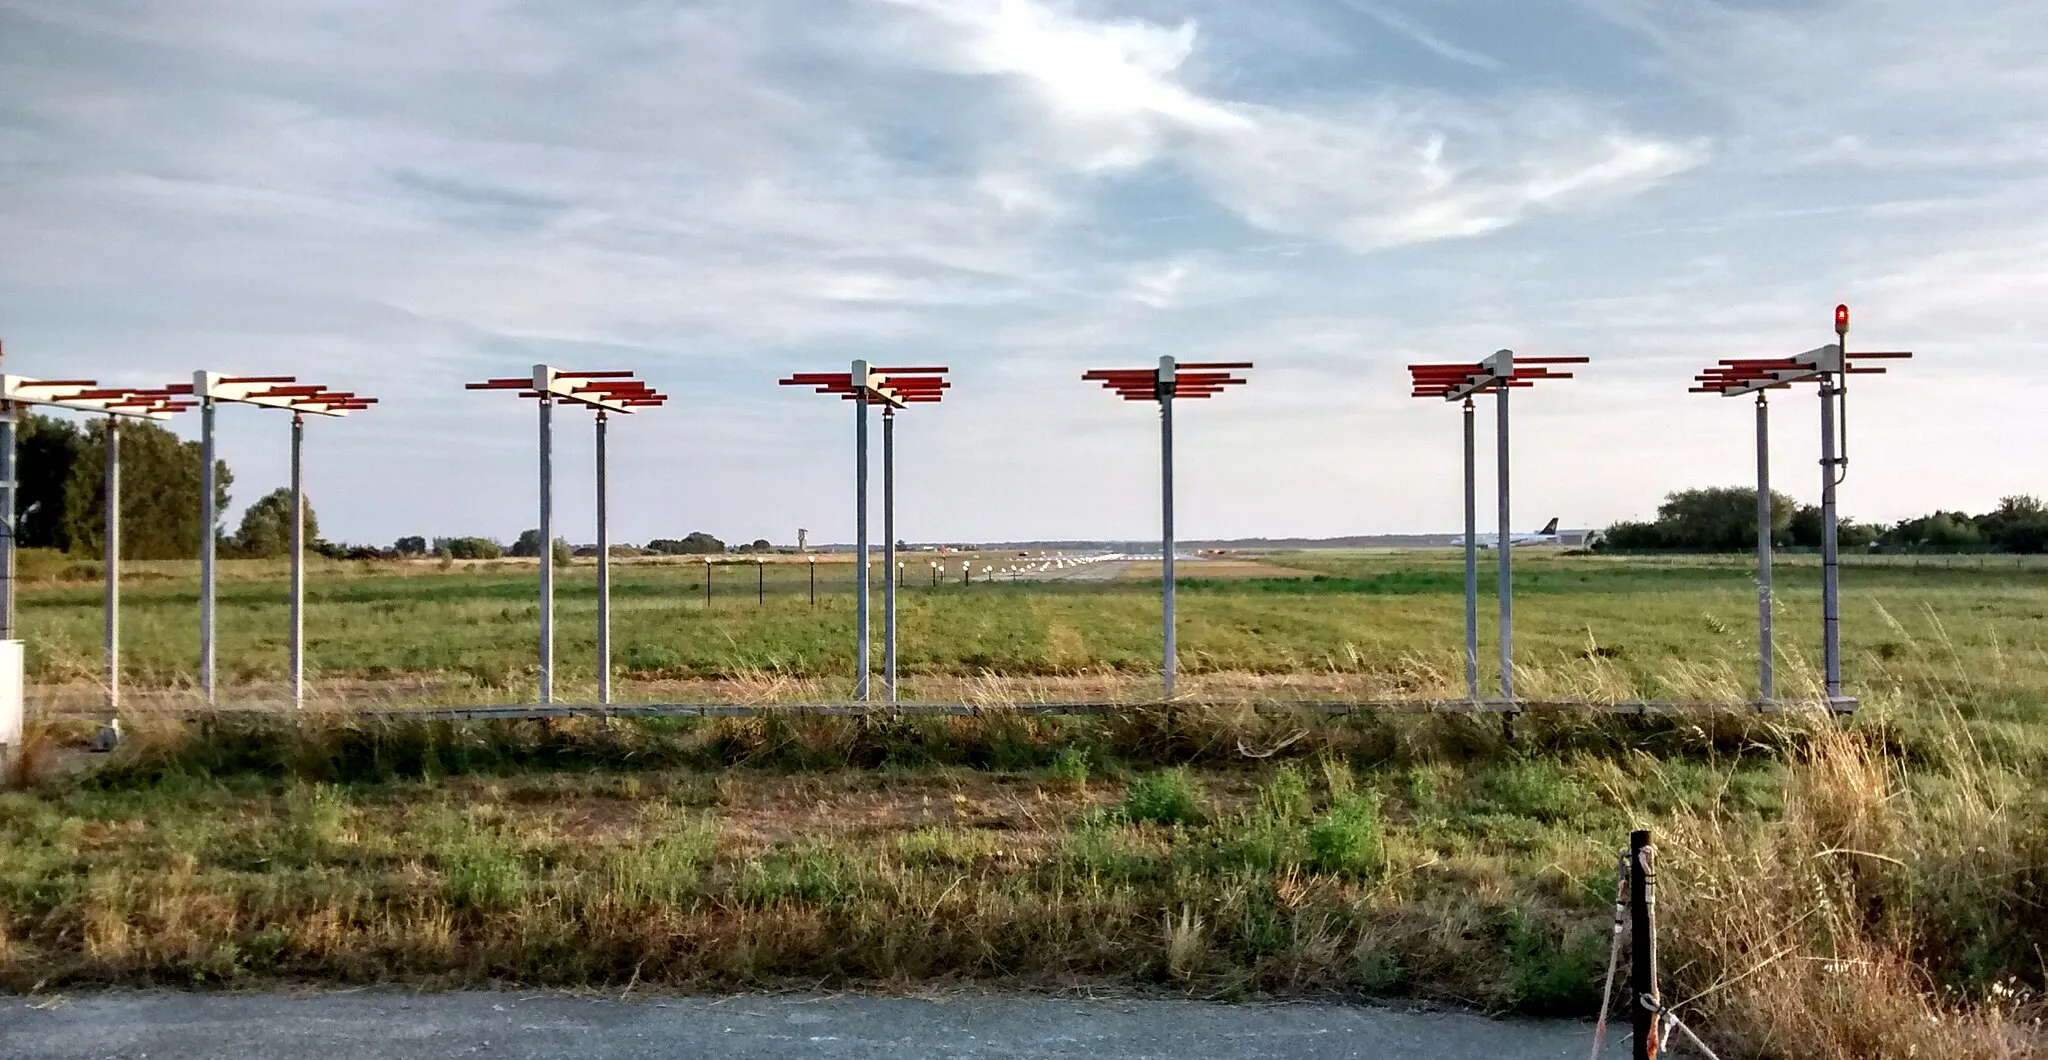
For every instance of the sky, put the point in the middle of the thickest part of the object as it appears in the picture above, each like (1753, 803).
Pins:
(397, 198)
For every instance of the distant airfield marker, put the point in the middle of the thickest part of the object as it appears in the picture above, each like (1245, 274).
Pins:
(1828, 365)
(1168, 382)
(1495, 375)
(604, 393)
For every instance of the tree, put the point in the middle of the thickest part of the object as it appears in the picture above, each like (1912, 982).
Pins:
(1633, 536)
(159, 499)
(266, 531)
(2020, 524)
(46, 454)
(1940, 532)
(696, 544)
(467, 548)
(528, 547)
(1720, 519)
(410, 546)
(1805, 528)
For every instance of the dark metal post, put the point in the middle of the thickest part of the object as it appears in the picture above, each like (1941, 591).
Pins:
(861, 649)
(761, 582)
(1471, 558)
(298, 667)
(814, 581)
(604, 567)
(1505, 545)
(1830, 556)
(707, 583)
(1642, 905)
(110, 550)
(547, 549)
(890, 569)
(208, 518)
(1168, 376)
(1766, 685)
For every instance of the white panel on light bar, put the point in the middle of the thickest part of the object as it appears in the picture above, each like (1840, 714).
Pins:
(84, 396)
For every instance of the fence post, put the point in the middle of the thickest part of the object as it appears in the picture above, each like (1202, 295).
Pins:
(1642, 934)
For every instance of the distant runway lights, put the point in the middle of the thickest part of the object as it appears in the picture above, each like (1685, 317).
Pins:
(1495, 375)
(1170, 381)
(210, 389)
(1829, 366)
(603, 393)
(891, 388)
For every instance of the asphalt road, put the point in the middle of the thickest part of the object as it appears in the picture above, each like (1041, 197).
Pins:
(390, 1026)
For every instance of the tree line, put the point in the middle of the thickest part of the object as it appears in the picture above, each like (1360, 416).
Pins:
(1724, 519)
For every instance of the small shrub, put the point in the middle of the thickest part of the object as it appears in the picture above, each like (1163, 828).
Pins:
(1165, 797)
(1550, 974)
(1285, 798)
(1069, 768)
(484, 876)
(1348, 839)
(1539, 790)
(313, 817)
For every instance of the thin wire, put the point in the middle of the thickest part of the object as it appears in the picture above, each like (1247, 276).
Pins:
(1613, 952)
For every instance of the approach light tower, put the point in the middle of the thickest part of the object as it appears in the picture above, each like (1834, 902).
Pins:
(1495, 375)
(77, 395)
(891, 388)
(210, 390)
(1828, 365)
(602, 393)
(1170, 381)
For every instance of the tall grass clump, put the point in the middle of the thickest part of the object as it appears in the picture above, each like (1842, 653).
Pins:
(1884, 915)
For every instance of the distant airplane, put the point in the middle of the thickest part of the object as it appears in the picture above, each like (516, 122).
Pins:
(1546, 536)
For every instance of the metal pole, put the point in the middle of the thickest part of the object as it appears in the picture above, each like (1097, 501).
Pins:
(604, 566)
(547, 549)
(889, 568)
(707, 583)
(1471, 558)
(814, 581)
(110, 551)
(1766, 685)
(1505, 546)
(298, 667)
(208, 518)
(1642, 905)
(860, 516)
(761, 582)
(1171, 652)
(1830, 557)
(9, 502)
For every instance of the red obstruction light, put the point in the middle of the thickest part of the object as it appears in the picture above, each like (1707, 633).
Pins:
(1841, 320)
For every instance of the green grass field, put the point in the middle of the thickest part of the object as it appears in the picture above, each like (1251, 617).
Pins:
(1833, 888)
(1377, 625)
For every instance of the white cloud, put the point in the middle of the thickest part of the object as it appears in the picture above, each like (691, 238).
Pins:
(1399, 168)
